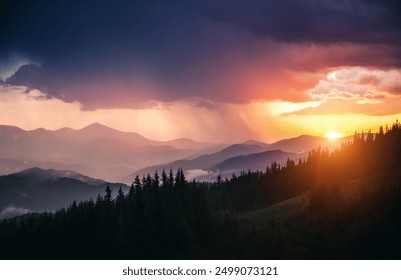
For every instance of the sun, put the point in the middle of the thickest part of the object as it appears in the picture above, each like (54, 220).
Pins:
(333, 135)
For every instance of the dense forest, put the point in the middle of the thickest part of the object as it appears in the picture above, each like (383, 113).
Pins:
(349, 207)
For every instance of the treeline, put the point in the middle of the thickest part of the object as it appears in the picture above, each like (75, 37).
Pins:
(354, 209)
(160, 218)
(322, 172)
(352, 191)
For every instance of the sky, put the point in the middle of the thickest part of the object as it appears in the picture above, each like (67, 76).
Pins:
(221, 71)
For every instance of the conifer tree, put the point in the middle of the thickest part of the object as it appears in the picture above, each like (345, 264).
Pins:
(137, 184)
(147, 186)
(156, 182)
(107, 196)
(120, 196)
(164, 179)
(170, 182)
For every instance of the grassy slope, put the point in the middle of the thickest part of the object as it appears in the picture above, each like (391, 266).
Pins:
(282, 209)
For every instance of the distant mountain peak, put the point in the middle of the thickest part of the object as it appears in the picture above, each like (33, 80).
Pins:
(243, 147)
(96, 125)
(39, 131)
(183, 139)
(254, 142)
(33, 170)
(45, 174)
(65, 130)
(10, 128)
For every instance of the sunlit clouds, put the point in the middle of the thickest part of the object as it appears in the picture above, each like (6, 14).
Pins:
(363, 85)
(223, 71)
(163, 121)
(342, 99)
(357, 90)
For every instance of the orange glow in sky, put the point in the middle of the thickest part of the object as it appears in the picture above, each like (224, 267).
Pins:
(345, 100)
(217, 72)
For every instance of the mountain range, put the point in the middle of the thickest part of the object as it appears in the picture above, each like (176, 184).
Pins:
(112, 155)
(43, 169)
(250, 155)
(37, 190)
(95, 150)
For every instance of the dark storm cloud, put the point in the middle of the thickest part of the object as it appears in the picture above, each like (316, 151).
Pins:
(109, 54)
(328, 21)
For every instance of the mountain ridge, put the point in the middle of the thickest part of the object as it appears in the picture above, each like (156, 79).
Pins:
(105, 151)
(296, 147)
(38, 190)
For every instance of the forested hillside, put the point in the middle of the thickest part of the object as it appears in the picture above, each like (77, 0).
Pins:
(349, 207)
